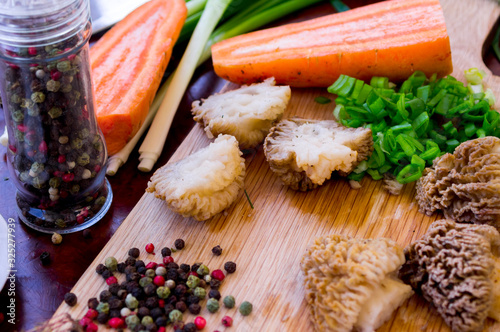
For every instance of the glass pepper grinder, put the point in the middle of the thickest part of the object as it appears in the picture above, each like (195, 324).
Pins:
(56, 153)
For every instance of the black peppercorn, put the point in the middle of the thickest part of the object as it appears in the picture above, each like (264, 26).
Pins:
(172, 299)
(151, 327)
(172, 274)
(115, 303)
(129, 269)
(70, 299)
(183, 276)
(180, 290)
(166, 252)
(181, 306)
(214, 283)
(179, 244)
(137, 292)
(143, 311)
(106, 274)
(190, 327)
(168, 308)
(214, 293)
(151, 302)
(130, 261)
(194, 308)
(134, 252)
(230, 267)
(121, 267)
(114, 313)
(150, 289)
(185, 267)
(122, 294)
(105, 295)
(102, 318)
(195, 267)
(156, 312)
(45, 258)
(161, 321)
(139, 263)
(134, 276)
(172, 265)
(141, 270)
(217, 250)
(192, 299)
(93, 303)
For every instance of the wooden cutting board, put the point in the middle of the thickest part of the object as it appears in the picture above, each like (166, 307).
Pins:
(267, 242)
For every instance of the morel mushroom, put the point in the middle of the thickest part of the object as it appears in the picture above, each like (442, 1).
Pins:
(246, 113)
(352, 283)
(455, 267)
(465, 185)
(304, 153)
(204, 183)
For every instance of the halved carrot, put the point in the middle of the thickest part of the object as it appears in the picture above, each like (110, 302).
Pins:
(128, 63)
(389, 38)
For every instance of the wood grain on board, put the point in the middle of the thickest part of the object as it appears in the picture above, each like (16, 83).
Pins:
(268, 242)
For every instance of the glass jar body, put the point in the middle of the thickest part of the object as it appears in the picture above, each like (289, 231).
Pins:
(56, 152)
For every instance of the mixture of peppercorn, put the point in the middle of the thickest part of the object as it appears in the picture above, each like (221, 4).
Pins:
(155, 295)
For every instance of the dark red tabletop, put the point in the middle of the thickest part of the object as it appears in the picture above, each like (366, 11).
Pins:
(39, 289)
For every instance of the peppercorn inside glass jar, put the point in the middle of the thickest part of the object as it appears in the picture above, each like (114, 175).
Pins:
(56, 153)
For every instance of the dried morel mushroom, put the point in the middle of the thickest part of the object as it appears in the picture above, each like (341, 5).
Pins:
(456, 268)
(465, 185)
(304, 153)
(246, 113)
(352, 283)
(204, 183)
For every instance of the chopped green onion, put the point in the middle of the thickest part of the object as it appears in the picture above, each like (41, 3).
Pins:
(322, 100)
(339, 6)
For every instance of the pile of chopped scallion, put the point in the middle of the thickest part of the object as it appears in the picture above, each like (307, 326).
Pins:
(416, 122)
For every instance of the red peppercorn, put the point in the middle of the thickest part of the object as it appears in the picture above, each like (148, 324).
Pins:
(32, 51)
(22, 128)
(55, 75)
(168, 259)
(12, 148)
(13, 66)
(151, 265)
(159, 281)
(92, 313)
(85, 321)
(227, 321)
(200, 322)
(92, 327)
(31, 153)
(71, 57)
(84, 212)
(42, 147)
(111, 280)
(116, 322)
(162, 329)
(161, 303)
(68, 177)
(63, 194)
(150, 248)
(218, 274)
(97, 168)
(61, 159)
(192, 273)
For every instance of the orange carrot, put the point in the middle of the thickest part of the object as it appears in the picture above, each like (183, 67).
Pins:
(128, 63)
(389, 38)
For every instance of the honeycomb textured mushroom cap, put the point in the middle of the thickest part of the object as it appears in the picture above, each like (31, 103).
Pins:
(343, 274)
(465, 185)
(204, 183)
(452, 266)
(304, 153)
(246, 113)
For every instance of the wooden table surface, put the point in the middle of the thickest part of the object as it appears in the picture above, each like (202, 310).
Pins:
(39, 289)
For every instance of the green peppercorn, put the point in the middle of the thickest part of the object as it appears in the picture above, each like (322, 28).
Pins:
(83, 159)
(24, 177)
(84, 133)
(55, 182)
(17, 116)
(150, 273)
(60, 223)
(193, 281)
(175, 316)
(245, 308)
(212, 305)
(146, 320)
(63, 139)
(163, 292)
(132, 321)
(34, 111)
(37, 167)
(63, 66)
(103, 307)
(200, 292)
(229, 301)
(203, 270)
(19, 135)
(76, 94)
(55, 112)
(100, 201)
(76, 143)
(131, 302)
(15, 98)
(74, 189)
(37, 97)
(111, 263)
(145, 281)
(66, 88)
(53, 86)
(98, 147)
